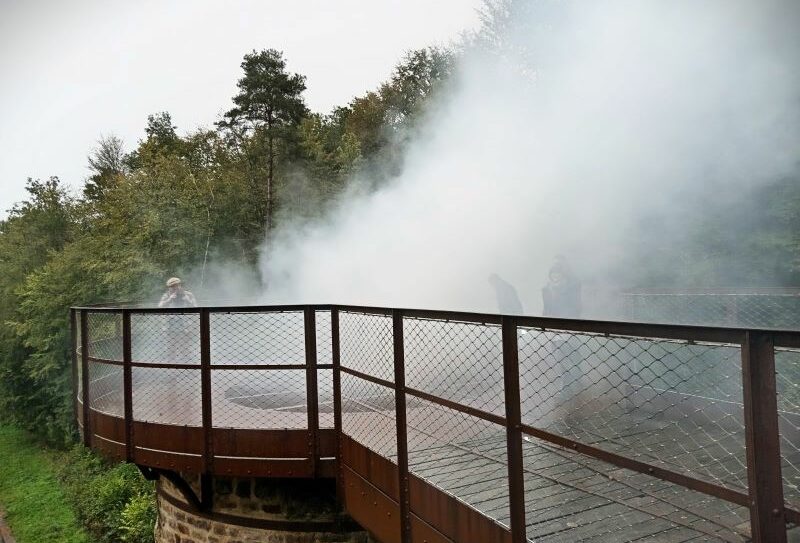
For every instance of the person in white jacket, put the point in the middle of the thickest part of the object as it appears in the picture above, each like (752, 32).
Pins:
(182, 340)
(176, 295)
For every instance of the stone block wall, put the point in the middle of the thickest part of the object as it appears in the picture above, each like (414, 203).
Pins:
(254, 511)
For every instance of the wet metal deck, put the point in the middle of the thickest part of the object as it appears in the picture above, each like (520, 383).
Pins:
(569, 496)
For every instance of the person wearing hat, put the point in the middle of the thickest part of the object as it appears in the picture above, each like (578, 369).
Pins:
(182, 345)
(176, 296)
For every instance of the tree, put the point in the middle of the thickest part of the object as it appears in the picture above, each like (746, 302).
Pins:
(33, 390)
(332, 153)
(161, 132)
(162, 139)
(269, 103)
(107, 162)
(415, 79)
(384, 121)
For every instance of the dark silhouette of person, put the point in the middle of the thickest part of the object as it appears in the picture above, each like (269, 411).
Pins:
(562, 298)
(507, 298)
(562, 293)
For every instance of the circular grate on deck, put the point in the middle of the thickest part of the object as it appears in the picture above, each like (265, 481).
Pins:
(264, 397)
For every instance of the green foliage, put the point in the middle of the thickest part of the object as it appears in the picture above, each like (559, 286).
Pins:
(29, 491)
(33, 353)
(268, 95)
(383, 122)
(114, 503)
(749, 238)
(138, 519)
(107, 164)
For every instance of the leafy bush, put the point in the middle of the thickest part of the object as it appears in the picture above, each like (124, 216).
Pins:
(114, 502)
(138, 519)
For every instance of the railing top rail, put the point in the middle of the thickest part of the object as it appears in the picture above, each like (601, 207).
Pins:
(712, 334)
(141, 308)
(717, 291)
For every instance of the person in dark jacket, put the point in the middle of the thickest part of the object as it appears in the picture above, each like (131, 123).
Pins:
(562, 298)
(562, 293)
(507, 298)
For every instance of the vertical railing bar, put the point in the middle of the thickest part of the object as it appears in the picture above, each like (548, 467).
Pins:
(312, 390)
(337, 400)
(127, 383)
(765, 483)
(206, 479)
(516, 486)
(87, 433)
(402, 432)
(73, 340)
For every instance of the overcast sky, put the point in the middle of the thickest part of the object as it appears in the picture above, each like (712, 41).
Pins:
(73, 71)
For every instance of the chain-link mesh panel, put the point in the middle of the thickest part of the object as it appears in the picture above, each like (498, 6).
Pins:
(462, 362)
(165, 338)
(571, 497)
(257, 338)
(787, 377)
(325, 395)
(78, 338)
(104, 332)
(78, 358)
(763, 310)
(368, 415)
(366, 344)
(667, 403)
(106, 388)
(168, 396)
(325, 377)
(324, 340)
(259, 399)
(460, 454)
(79, 392)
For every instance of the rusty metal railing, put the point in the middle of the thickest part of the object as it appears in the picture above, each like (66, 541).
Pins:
(449, 426)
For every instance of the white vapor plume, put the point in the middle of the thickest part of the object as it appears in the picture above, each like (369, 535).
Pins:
(582, 120)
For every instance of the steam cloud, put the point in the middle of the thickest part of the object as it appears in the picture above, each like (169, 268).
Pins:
(582, 120)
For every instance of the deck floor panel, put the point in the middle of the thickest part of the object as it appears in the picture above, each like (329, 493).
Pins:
(573, 497)
(604, 522)
(673, 535)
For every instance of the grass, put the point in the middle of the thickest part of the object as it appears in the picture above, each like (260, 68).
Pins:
(36, 509)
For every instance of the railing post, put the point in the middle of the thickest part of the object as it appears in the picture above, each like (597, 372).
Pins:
(127, 383)
(765, 483)
(310, 328)
(73, 341)
(400, 416)
(337, 400)
(516, 485)
(87, 432)
(206, 479)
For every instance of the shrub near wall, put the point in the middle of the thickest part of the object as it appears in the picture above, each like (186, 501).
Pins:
(114, 502)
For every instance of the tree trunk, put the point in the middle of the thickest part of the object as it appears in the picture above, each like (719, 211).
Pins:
(270, 170)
